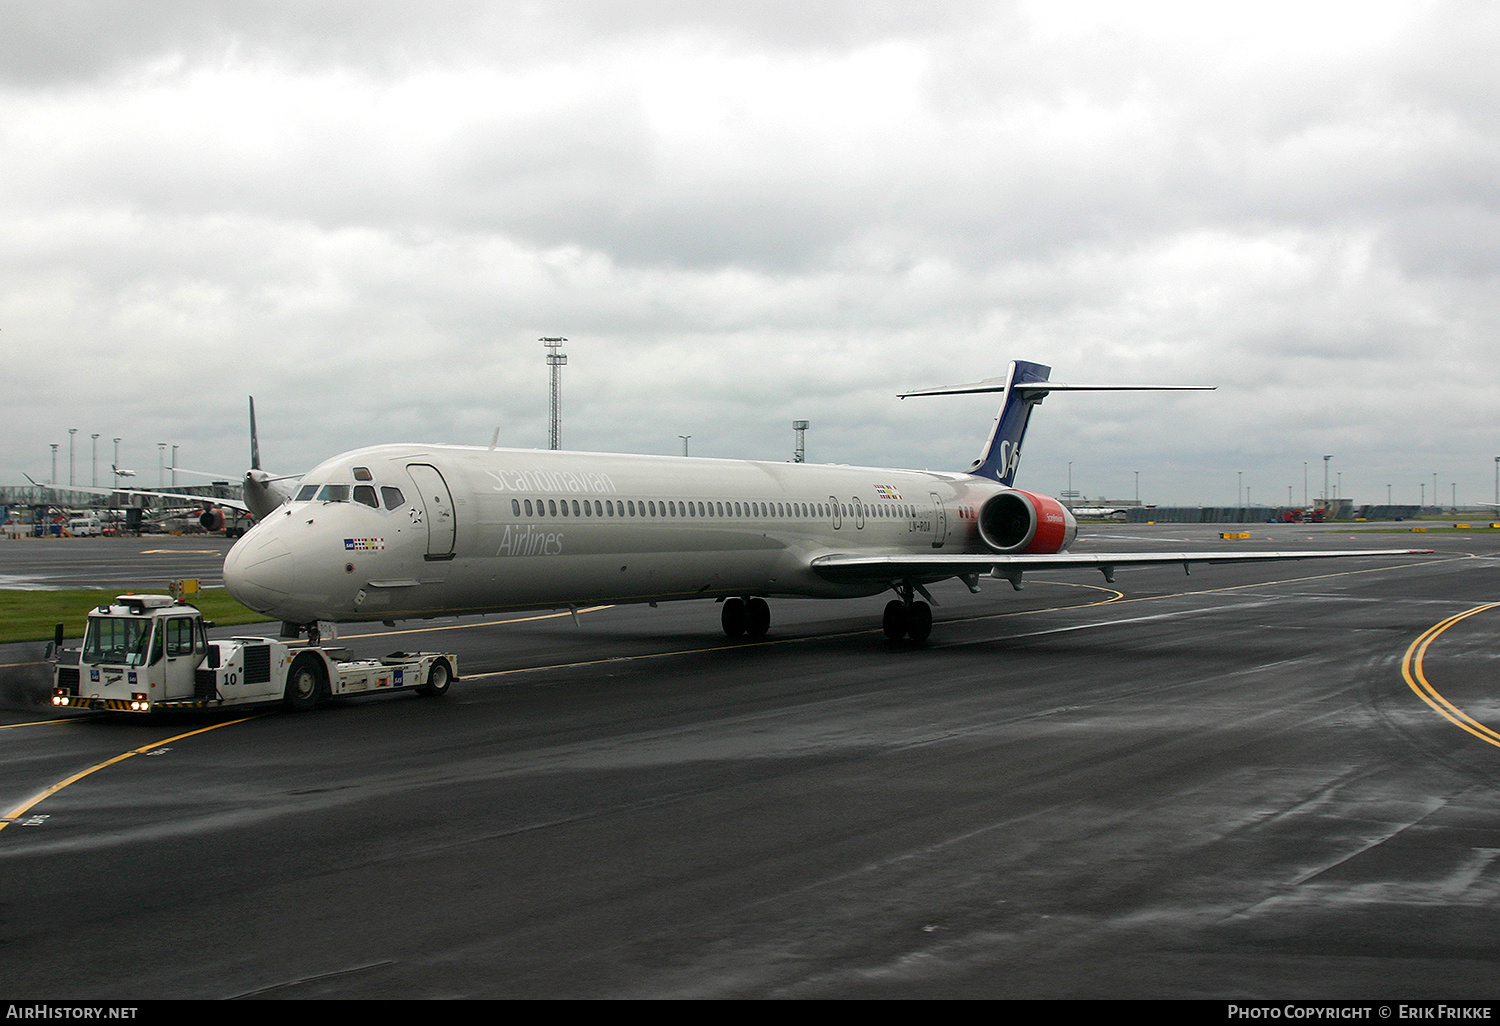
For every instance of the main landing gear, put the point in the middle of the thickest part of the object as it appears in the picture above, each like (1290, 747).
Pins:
(905, 618)
(746, 617)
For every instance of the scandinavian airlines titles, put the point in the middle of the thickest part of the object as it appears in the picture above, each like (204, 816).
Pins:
(530, 542)
(551, 481)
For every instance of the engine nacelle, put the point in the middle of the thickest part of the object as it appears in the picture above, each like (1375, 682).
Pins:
(1017, 522)
(212, 519)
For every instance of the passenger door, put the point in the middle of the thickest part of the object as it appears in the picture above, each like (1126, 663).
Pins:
(438, 501)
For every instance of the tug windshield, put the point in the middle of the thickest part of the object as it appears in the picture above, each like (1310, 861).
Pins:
(116, 639)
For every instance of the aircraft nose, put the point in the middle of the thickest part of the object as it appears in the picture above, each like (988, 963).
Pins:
(259, 571)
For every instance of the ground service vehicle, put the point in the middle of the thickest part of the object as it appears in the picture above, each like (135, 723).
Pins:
(147, 653)
(84, 527)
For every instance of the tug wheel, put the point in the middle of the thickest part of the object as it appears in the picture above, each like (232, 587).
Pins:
(439, 679)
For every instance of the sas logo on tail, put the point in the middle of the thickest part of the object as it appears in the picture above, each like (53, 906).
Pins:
(1010, 458)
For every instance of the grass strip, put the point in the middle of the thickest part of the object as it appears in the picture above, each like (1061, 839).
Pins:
(31, 615)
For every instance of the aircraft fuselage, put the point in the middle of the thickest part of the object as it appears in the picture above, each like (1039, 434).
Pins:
(400, 531)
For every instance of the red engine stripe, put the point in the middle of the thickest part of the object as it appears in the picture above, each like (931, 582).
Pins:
(1051, 525)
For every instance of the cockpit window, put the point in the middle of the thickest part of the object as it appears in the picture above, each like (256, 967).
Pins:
(334, 493)
(363, 474)
(366, 495)
(392, 497)
(306, 492)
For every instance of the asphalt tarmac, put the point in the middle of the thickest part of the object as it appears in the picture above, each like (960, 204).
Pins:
(1254, 782)
(148, 562)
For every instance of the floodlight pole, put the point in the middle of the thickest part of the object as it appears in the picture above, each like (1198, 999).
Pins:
(556, 361)
(94, 454)
(799, 453)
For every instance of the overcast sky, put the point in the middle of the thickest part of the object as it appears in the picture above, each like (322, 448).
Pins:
(366, 214)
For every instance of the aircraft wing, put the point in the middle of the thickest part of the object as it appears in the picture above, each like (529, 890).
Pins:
(190, 500)
(939, 567)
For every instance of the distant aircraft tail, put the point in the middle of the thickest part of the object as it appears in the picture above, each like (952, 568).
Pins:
(1025, 385)
(262, 492)
(254, 440)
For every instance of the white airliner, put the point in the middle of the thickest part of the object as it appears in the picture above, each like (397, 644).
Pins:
(401, 531)
(1100, 512)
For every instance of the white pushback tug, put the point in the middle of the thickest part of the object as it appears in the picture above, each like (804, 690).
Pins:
(150, 653)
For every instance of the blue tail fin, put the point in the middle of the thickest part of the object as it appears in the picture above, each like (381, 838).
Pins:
(1002, 453)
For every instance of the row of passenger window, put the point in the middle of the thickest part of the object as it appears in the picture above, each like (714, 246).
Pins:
(715, 509)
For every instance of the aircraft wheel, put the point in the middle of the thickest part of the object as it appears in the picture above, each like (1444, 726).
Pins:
(305, 685)
(894, 621)
(733, 617)
(439, 679)
(919, 622)
(757, 618)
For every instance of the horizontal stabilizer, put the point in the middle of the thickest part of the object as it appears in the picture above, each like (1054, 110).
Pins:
(1043, 387)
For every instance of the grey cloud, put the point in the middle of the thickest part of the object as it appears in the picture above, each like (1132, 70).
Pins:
(73, 41)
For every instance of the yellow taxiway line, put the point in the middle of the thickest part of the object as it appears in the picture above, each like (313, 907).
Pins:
(1413, 669)
(24, 807)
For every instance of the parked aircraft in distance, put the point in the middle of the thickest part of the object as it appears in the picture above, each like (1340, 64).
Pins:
(1100, 512)
(400, 531)
(260, 493)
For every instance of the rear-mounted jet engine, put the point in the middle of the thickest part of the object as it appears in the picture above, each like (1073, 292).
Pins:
(1023, 523)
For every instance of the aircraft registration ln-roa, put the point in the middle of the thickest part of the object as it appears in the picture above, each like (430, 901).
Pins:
(393, 532)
